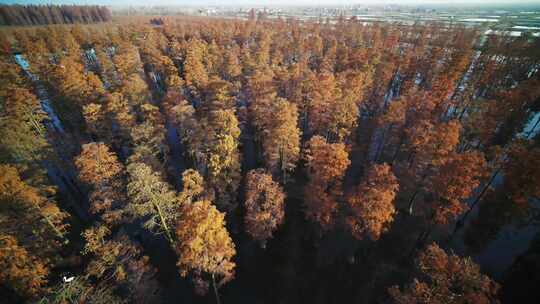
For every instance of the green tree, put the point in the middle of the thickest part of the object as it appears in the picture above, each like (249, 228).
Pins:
(151, 196)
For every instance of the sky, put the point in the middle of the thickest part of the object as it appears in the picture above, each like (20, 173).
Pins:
(268, 2)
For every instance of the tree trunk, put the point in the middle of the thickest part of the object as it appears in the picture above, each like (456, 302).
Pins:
(411, 201)
(461, 115)
(398, 149)
(58, 233)
(164, 224)
(461, 222)
(380, 149)
(283, 167)
(215, 289)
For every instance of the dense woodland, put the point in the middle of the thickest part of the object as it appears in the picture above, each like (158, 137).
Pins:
(52, 14)
(200, 160)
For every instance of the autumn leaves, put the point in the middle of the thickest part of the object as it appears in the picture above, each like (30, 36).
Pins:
(326, 165)
(33, 230)
(446, 278)
(193, 227)
(265, 209)
(364, 126)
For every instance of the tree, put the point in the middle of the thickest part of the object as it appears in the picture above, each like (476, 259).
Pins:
(97, 164)
(96, 123)
(509, 202)
(195, 73)
(119, 112)
(262, 53)
(232, 67)
(297, 85)
(265, 205)
(172, 79)
(343, 118)
(73, 83)
(355, 84)
(432, 143)
(29, 215)
(497, 120)
(282, 145)
(151, 196)
(53, 14)
(106, 68)
(73, 88)
(127, 61)
(454, 182)
(204, 245)
(446, 279)
(135, 90)
(521, 180)
(223, 157)
(177, 108)
(80, 290)
(193, 186)
(326, 165)
(260, 84)
(321, 98)
(430, 147)
(218, 95)
(118, 263)
(372, 203)
(280, 136)
(149, 145)
(23, 136)
(21, 271)
(10, 75)
(331, 114)
(100, 168)
(276, 120)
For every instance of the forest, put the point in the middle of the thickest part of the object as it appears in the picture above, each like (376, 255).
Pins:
(52, 14)
(206, 160)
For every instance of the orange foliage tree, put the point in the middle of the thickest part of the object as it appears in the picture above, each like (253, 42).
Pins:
(276, 120)
(446, 279)
(204, 245)
(455, 181)
(326, 165)
(372, 203)
(30, 215)
(100, 168)
(265, 201)
(119, 264)
(21, 271)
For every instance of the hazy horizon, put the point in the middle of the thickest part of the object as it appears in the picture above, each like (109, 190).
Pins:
(275, 2)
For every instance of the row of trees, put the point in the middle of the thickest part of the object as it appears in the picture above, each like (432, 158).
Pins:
(22, 15)
(387, 135)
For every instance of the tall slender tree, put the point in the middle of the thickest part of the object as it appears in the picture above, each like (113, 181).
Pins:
(372, 203)
(153, 198)
(265, 205)
(204, 245)
(326, 165)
